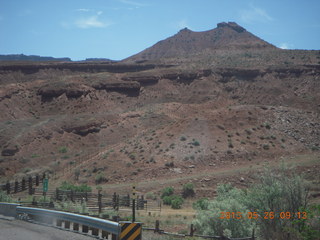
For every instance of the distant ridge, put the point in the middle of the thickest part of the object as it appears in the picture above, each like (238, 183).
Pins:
(22, 57)
(186, 42)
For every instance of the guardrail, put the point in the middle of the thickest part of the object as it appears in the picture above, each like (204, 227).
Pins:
(64, 219)
(97, 227)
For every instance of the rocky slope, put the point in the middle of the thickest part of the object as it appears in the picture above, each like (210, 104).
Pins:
(148, 120)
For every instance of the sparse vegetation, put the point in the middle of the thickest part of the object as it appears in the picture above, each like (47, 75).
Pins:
(100, 178)
(63, 149)
(183, 138)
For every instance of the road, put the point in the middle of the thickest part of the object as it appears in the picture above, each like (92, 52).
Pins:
(21, 230)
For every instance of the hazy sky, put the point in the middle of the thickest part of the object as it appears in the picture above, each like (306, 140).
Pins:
(117, 29)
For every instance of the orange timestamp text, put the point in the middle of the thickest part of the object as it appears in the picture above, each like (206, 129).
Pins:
(264, 215)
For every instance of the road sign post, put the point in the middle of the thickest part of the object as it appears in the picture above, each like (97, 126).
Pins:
(45, 187)
(133, 203)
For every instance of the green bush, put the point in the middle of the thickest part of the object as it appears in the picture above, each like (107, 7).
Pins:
(277, 191)
(168, 191)
(167, 200)
(229, 199)
(77, 188)
(4, 197)
(188, 190)
(63, 149)
(100, 178)
(201, 204)
(176, 202)
(151, 195)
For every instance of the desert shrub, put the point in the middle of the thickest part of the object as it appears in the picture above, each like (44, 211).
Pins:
(201, 204)
(196, 143)
(4, 197)
(277, 191)
(176, 202)
(168, 191)
(183, 138)
(229, 199)
(151, 195)
(188, 190)
(167, 200)
(100, 178)
(63, 149)
(77, 188)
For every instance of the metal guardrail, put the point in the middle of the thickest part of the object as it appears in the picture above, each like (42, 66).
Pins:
(110, 227)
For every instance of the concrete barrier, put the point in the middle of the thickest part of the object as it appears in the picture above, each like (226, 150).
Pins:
(9, 209)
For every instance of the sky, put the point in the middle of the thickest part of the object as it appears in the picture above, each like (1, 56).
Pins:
(117, 29)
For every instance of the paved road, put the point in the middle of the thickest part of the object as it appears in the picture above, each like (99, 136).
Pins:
(22, 230)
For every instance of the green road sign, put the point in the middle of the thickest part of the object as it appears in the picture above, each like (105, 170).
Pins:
(45, 184)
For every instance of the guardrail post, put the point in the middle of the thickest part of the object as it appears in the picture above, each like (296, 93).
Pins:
(30, 185)
(104, 234)
(95, 231)
(8, 187)
(85, 229)
(67, 224)
(59, 223)
(75, 226)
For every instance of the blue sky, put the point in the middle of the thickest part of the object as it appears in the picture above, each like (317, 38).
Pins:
(117, 29)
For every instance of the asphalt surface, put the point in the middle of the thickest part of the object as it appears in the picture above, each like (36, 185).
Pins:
(11, 229)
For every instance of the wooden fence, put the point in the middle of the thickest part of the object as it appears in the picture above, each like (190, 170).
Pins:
(23, 184)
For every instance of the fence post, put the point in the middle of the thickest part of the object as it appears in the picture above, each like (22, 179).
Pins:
(157, 227)
(71, 196)
(114, 200)
(142, 202)
(128, 200)
(118, 201)
(16, 186)
(57, 194)
(8, 187)
(37, 180)
(100, 201)
(23, 184)
(30, 185)
(192, 230)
